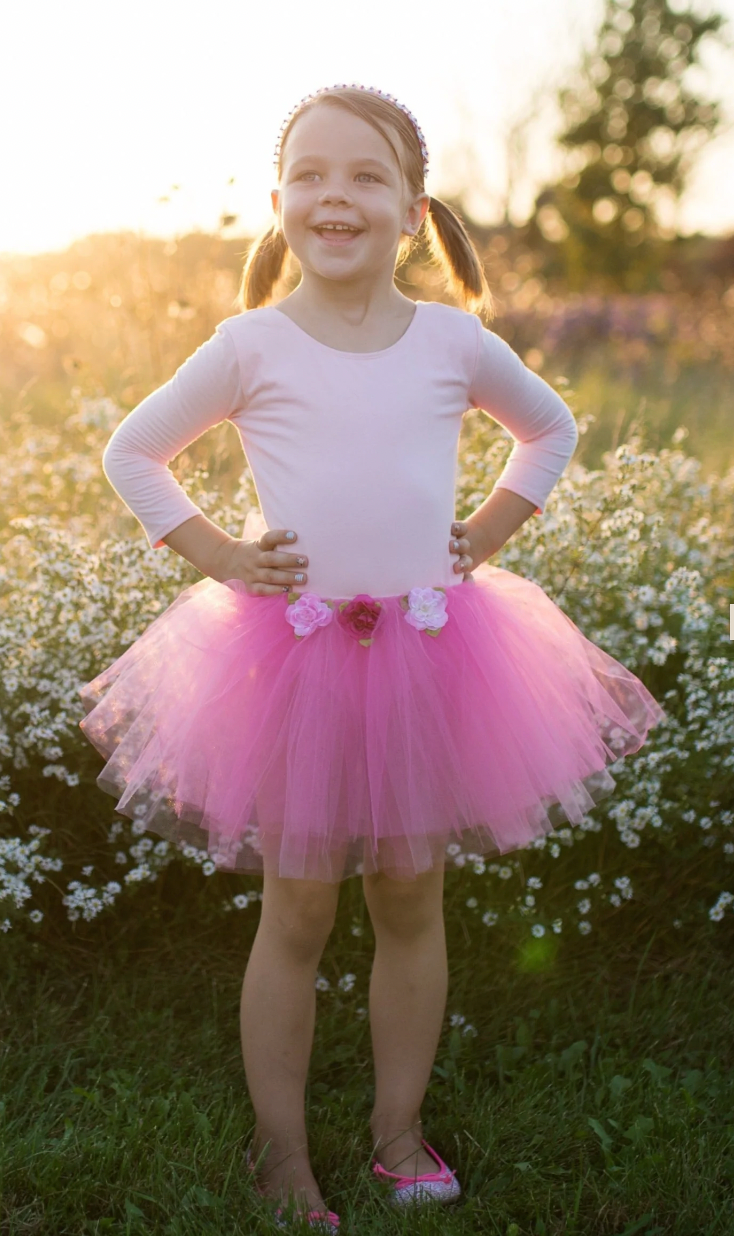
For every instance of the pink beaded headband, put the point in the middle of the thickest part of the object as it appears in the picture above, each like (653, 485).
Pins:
(354, 86)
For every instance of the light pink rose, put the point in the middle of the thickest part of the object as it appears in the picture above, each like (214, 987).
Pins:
(426, 609)
(307, 613)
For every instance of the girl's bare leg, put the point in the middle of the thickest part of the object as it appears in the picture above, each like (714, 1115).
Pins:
(407, 1002)
(277, 1016)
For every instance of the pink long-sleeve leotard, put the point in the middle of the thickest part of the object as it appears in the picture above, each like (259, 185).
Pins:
(357, 451)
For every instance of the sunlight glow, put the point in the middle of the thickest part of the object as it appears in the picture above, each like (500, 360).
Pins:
(160, 118)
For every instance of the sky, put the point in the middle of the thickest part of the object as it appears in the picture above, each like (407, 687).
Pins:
(106, 106)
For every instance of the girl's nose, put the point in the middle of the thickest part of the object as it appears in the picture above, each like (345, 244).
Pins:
(334, 193)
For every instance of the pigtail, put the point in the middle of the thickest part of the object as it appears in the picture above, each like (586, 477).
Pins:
(263, 268)
(452, 248)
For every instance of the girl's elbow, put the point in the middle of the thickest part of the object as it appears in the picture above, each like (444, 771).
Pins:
(110, 457)
(114, 459)
(571, 430)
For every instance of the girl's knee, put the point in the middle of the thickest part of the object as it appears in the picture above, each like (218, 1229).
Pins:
(301, 911)
(404, 904)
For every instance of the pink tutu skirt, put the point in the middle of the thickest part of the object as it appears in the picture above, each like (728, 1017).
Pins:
(322, 757)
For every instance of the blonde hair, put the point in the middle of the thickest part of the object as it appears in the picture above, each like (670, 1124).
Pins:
(449, 243)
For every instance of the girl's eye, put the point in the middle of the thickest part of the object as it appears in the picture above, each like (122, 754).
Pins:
(305, 175)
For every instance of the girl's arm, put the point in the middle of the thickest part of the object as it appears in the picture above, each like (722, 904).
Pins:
(205, 390)
(545, 436)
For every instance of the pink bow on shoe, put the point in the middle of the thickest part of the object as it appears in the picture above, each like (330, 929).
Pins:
(316, 1219)
(327, 1223)
(441, 1186)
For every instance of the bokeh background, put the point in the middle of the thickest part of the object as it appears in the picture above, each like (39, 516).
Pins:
(585, 1078)
(589, 148)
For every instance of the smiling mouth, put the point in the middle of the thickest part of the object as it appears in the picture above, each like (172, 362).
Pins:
(337, 235)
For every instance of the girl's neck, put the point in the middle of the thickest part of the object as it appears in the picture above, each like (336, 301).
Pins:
(355, 322)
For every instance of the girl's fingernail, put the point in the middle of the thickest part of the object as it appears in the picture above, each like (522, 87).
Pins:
(290, 536)
(456, 544)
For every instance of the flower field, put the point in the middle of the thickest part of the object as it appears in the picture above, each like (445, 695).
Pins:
(637, 552)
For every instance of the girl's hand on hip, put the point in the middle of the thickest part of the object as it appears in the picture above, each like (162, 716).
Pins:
(264, 569)
(465, 543)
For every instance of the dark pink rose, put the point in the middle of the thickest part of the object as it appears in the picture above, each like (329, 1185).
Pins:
(361, 616)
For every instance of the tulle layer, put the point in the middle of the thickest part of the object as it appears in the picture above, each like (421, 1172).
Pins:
(321, 758)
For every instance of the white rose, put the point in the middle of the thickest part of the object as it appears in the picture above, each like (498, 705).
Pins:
(426, 609)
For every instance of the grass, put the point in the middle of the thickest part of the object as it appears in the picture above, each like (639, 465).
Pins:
(695, 397)
(595, 1097)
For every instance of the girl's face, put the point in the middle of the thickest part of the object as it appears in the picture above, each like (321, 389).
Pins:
(337, 169)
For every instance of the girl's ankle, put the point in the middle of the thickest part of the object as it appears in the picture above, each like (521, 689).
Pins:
(404, 1135)
(396, 1127)
(274, 1149)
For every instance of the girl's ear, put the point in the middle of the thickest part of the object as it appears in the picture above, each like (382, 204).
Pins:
(416, 213)
(275, 199)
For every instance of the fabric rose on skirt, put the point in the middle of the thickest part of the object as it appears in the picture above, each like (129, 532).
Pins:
(306, 612)
(361, 617)
(425, 609)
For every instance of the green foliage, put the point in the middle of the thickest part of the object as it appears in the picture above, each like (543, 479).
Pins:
(634, 126)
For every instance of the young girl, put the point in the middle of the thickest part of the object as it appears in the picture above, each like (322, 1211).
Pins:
(373, 696)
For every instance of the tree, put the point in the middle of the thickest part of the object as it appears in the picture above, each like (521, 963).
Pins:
(633, 130)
